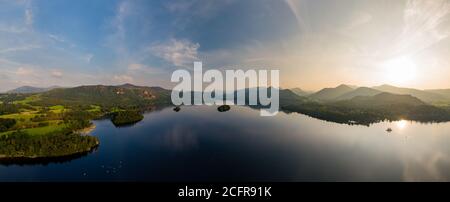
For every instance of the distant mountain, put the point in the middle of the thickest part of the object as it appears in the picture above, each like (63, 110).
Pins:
(300, 91)
(126, 95)
(31, 89)
(329, 94)
(426, 96)
(382, 100)
(442, 92)
(362, 91)
(286, 96)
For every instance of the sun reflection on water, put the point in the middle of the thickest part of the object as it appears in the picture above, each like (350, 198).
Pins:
(402, 124)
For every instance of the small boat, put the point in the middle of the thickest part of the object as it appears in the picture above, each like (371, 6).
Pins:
(389, 130)
(224, 108)
(177, 109)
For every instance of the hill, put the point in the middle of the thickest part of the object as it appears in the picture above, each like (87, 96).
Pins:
(125, 96)
(31, 89)
(330, 94)
(442, 92)
(426, 96)
(366, 110)
(286, 96)
(382, 100)
(300, 91)
(362, 91)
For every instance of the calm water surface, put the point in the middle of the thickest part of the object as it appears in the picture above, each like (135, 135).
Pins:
(201, 144)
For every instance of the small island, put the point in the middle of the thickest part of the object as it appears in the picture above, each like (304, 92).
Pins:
(224, 108)
(123, 118)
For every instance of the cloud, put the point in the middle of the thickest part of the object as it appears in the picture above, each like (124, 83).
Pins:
(61, 39)
(142, 69)
(56, 74)
(23, 71)
(300, 14)
(3, 76)
(359, 19)
(134, 67)
(180, 53)
(56, 38)
(180, 6)
(20, 48)
(123, 78)
(28, 16)
(11, 29)
(88, 58)
(117, 39)
(422, 20)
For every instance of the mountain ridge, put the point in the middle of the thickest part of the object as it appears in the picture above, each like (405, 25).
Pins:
(31, 89)
(329, 94)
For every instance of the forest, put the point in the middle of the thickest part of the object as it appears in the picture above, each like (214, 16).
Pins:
(21, 144)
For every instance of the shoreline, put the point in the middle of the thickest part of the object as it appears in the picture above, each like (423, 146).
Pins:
(23, 157)
(86, 131)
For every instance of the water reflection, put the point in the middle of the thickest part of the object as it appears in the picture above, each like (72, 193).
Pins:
(201, 144)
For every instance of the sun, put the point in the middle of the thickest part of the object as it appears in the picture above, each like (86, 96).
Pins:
(400, 70)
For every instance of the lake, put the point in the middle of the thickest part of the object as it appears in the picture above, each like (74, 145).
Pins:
(200, 144)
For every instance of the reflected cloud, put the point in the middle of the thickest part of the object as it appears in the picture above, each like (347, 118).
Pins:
(427, 168)
(181, 138)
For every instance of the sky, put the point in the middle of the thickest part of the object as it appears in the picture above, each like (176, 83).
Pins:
(314, 43)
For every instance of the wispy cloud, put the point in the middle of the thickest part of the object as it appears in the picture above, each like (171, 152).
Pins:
(88, 58)
(56, 38)
(123, 78)
(180, 53)
(301, 14)
(24, 71)
(20, 48)
(358, 19)
(422, 20)
(136, 68)
(56, 73)
(11, 29)
(117, 39)
(29, 16)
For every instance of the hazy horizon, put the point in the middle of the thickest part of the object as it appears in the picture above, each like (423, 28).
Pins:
(281, 87)
(319, 43)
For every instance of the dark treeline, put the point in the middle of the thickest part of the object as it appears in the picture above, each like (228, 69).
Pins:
(6, 124)
(10, 97)
(12, 108)
(367, 116)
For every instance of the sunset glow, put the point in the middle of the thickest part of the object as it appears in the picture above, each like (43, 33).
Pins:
(400, 71)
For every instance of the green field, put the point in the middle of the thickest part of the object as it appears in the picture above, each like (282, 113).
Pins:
(57, 109)
(28, 99)
(54, 126)
(95, 109)
(25, 122)
(21, 117)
